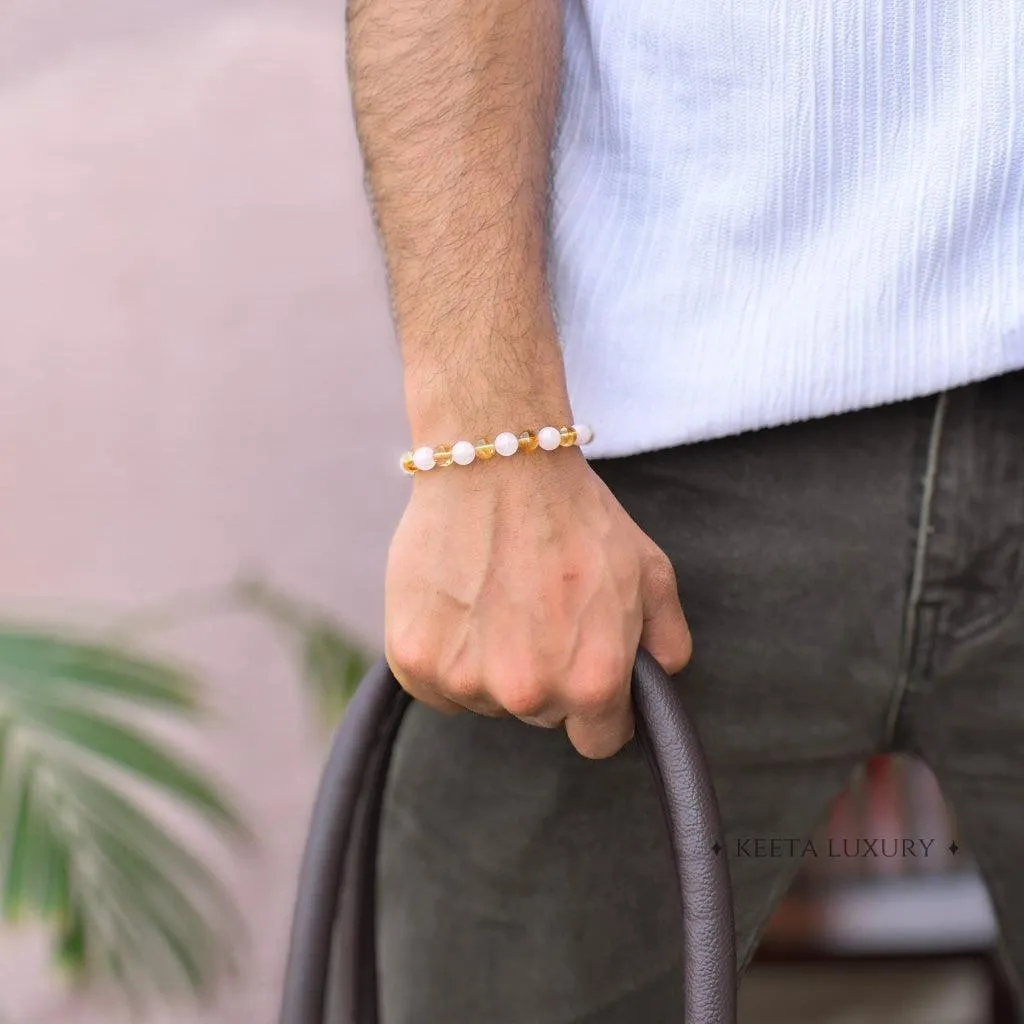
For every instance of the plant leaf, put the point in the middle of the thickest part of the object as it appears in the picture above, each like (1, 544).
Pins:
(34, 659)
(69, 949)
(332, 667)
(110, 813)
(18, 857)
(129, 750)
(125, 895)
(179, 924)
(332, 663)
(163, 922)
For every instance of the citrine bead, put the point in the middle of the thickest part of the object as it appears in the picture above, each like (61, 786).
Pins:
(527, 441)
(568, 436)
(443, 455)
(484, 448)
(407, 464)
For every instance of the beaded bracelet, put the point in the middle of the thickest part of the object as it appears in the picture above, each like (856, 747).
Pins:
(462, 453)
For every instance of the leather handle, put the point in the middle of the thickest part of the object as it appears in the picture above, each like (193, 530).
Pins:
(334, 910)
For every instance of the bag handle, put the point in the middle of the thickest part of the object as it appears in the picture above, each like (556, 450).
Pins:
(334, 917)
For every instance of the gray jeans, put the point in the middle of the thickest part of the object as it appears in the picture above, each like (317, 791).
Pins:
(854, 585)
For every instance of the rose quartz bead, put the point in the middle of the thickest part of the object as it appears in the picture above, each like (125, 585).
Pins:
(463, 452)
(506, 443)
(423, 458)
(584, 435)
(549, 438)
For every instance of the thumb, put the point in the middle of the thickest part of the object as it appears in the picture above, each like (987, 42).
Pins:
(665, 633)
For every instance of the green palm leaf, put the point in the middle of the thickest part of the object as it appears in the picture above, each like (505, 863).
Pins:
(34, 658)
(98, 735)
(332, 662)
(123, 895)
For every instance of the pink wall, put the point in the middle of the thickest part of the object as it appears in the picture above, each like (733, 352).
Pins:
(196, 375)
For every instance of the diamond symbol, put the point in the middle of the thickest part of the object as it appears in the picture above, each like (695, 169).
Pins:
(953, 847)
(717, 848)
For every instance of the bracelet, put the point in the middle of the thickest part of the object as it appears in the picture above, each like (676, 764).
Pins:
(462, 453)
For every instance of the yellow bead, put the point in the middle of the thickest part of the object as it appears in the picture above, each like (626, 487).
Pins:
(568, 437)
(407, 464)
(527, 441)
(484, 448)
(443, 455)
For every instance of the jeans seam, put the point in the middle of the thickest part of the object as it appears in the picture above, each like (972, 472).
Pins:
(916, 591)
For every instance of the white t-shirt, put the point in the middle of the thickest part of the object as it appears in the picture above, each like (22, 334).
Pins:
(773, 210)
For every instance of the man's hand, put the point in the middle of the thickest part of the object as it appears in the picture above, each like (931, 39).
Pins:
(523, 587)
(520, 586)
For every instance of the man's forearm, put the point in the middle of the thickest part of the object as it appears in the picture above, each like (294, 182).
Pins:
(455, 104)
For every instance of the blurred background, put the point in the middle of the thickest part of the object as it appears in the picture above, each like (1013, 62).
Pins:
(199, 385)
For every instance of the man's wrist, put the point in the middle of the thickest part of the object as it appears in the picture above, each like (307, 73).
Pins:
(481, 392)
(447, 410)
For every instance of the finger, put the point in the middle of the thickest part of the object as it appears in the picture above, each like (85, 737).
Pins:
(531, 702)
(470, 693)
(600, 721)
(425, 694)
(665, 633)
(601, 737)
(483, 705)
(551, 720)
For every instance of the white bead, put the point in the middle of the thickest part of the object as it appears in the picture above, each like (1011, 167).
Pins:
(401, 463)
(506, 443)
(423, 458)
(584, 435)
(549, 438)
(463, 452)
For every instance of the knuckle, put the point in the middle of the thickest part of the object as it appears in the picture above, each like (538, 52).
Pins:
(463, 689)
(412, 659)
(600, 683)
(524, 699)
